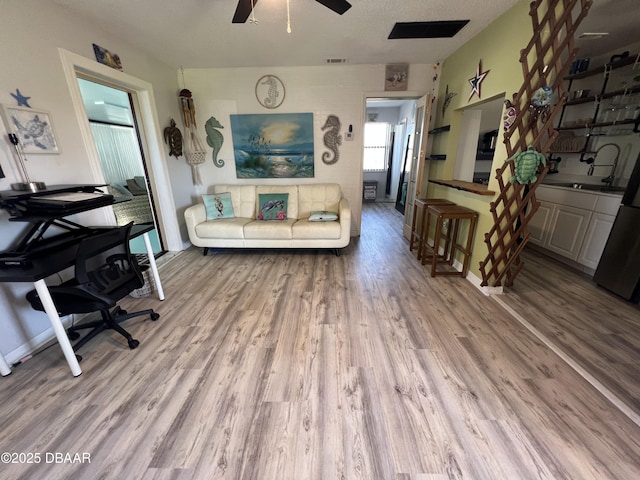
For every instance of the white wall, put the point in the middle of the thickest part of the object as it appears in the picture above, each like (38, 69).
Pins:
(326, 90)
(31, 32)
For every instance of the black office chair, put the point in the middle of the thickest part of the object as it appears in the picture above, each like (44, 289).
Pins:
(105, 272)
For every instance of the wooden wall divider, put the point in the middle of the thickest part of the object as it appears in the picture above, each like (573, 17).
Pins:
(545, 63)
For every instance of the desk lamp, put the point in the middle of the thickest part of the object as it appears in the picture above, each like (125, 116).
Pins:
(27, 184)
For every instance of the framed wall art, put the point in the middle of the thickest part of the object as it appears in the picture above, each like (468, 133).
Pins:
(396, 77)
(278, 145)
(107, 58)
(34, 129)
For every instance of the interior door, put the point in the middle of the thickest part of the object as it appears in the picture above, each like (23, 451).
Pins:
(418, 173)
(111, 112)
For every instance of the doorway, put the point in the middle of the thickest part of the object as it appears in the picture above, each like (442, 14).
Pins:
(390, 122)
(114, 127)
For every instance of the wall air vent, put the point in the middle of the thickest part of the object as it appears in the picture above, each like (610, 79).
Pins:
(442, 29)
(332, 61)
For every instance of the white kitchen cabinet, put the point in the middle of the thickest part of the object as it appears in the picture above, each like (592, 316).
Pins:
(566, 230)
(595, 239)
(539, 225)
(573, 224)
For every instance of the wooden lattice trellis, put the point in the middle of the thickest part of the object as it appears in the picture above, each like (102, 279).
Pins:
(545, 62)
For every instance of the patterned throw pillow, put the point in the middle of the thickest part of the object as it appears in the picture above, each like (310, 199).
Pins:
(272, 206)
(323, 216)
(218, 206)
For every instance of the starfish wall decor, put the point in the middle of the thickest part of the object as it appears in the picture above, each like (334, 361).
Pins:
(21, 99)
(476, 81)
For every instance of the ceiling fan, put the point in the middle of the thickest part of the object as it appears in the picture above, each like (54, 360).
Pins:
(243, 10)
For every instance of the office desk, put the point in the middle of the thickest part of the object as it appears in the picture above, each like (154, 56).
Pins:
(36, 257)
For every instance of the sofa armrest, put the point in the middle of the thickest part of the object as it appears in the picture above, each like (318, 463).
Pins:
(344, 217)
(193, 216)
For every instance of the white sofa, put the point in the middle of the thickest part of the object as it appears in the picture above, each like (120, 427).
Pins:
(244, 231)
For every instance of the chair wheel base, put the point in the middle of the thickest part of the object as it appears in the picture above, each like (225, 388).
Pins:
(73, 335)
(133, 344)
(155, 316)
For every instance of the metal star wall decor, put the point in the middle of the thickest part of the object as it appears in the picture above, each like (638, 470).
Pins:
(477, 81)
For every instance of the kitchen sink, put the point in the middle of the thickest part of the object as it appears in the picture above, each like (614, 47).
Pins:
(592, 187)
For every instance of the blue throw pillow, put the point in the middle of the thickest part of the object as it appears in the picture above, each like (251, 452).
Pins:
(218, 206)
(272, 206)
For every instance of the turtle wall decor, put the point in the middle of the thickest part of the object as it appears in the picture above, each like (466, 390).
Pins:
(173, 138)
(526, 165)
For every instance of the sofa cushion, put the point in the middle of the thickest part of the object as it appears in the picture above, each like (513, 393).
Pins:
(218, 205)
(304, 229)
(320, 196)
(292, 190)
(243, 199)
(272, 206)
(222, 228)
(269, 230)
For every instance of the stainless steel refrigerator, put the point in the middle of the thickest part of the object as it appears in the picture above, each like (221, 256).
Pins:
(619, 266)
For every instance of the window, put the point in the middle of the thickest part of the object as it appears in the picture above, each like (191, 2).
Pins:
(376, 135)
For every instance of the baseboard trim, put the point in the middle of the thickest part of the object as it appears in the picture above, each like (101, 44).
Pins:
(33, 345)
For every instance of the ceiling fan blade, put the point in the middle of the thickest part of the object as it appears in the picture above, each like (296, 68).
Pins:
(338, 6)
(243, 10)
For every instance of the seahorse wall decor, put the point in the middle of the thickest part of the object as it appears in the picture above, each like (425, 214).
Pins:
(332, 139)
(214, 139)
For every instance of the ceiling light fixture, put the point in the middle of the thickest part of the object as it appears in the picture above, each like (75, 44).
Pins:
(288, 19)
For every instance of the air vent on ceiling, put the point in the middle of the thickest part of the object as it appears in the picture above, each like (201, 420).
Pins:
(441, 29)
(336, 60)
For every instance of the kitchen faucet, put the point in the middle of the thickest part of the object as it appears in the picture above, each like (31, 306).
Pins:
(608, 179)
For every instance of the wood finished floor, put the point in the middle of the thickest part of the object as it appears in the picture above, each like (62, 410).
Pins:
(302, 365)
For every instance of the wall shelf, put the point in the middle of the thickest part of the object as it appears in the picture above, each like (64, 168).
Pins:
(442, 129)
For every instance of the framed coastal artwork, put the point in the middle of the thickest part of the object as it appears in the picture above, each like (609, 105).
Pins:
(276, 145)
(396, 77)
(34, 129)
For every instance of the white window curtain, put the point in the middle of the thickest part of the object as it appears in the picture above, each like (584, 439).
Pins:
(119, 152)
(376, 146)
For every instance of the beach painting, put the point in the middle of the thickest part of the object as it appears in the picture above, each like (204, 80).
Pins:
(276, 145)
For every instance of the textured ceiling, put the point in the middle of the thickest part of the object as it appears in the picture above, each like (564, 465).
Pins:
(199, 33)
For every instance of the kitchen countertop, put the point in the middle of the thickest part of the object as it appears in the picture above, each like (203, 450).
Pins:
(599, 189)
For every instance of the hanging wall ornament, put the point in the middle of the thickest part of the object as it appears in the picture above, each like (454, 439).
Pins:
(541, 104)
(332, 139)
(194, 150)
(509, 115)
(270, 91)
(173, 138)
(448, 96)
(214, 139)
